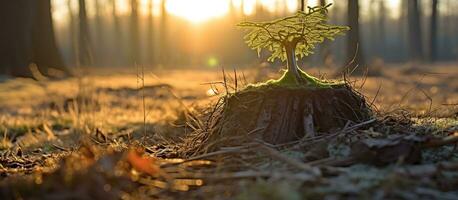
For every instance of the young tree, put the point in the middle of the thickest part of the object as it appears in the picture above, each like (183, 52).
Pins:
(85, 50)
(433, 32)
(293, 37)
(27, 36)
(414, 30)
(354, 47)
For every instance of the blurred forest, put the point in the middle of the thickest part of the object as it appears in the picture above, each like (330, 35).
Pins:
(203, 33)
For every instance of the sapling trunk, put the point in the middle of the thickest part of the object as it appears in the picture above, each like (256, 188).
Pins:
(292, 63)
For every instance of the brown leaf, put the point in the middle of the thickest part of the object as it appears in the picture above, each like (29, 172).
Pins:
(388, 150)
(142, 163)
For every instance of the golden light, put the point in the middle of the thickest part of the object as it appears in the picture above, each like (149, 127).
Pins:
(198, 10)
(122, 7)
(292, 5)
(393, 7)
(313, 3)
(269, 4)
(237, 3)
(249, 6)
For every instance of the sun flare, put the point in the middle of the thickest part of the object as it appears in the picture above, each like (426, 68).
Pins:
(198, 10)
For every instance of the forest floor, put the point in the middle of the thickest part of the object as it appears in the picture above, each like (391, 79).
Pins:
(105, 136)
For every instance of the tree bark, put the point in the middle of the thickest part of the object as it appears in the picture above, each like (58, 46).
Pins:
(282, 115)
(99, 29)
(134, 44)
(28, 37)
(72, 35)
(163, 34)
(433, 32)
(118, 34)
(381, 25)
(84, 47)
(414, 28)
(354, 47)
(291, 61)
(150, 36)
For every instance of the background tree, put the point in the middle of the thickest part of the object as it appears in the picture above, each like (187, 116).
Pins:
(354, 47)
(84, 45)
(163, 34)
(73, 35)
(324, 50)
(99, 34)
(118, 36)
(134, 33)
(150, 34)
(433, 32)
(414, 30)
(27, 36)
(382, 32)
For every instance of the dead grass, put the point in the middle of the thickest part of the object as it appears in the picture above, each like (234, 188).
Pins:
(64, 139)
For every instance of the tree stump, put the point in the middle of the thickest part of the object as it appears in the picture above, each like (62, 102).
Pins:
(276, 115)
(281, 115)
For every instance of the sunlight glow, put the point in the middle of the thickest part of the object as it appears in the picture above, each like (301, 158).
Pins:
(313, 3)
(122, 7)
(269, 4)
(292, 6)
(237, 3)
(249, 6)
(198, 10)
(393, 6)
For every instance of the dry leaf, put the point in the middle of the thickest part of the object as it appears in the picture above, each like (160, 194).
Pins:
(141, 162)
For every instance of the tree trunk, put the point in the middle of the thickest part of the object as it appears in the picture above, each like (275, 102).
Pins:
(354, 47)
(150, 36)
(403, 36)
(382, 20)
(118, 36)
(433, 33)
(414, 28)
(28, 37)
(73, 39)
(85, 50)
(163, 34)
(381, 25)
(99, 29)
(373, 42)
(291, 62)
(134, 42)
